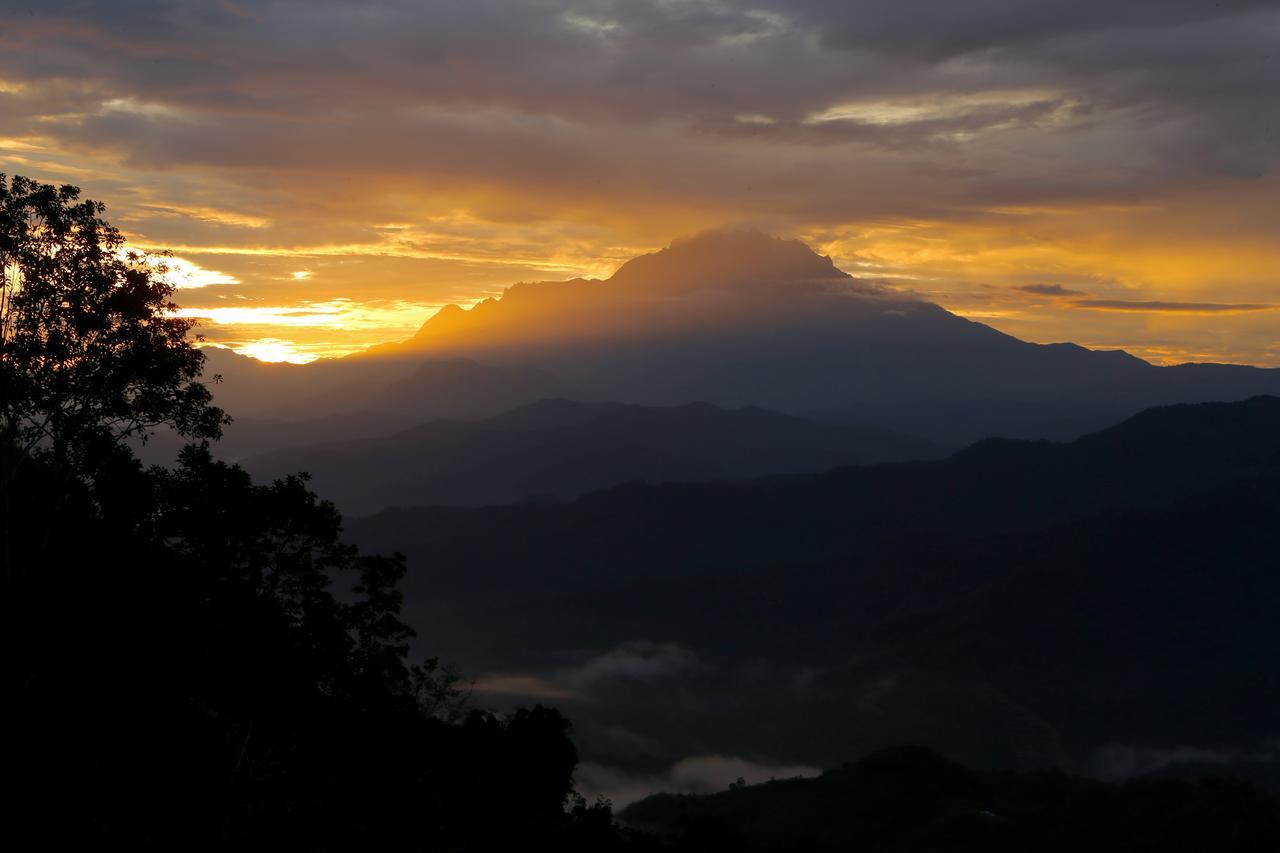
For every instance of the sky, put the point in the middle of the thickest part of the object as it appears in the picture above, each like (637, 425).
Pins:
(329, 173)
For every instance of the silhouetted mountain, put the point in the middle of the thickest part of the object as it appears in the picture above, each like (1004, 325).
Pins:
(246, 437)
(734, 319)
(909, 799)
(560, 449)
(744, 319)
(282, 406)
(1106, 604)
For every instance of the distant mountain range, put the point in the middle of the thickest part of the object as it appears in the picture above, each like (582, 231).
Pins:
(282, 406)
(1102, 602)
(1105, 605)
(557, 449)
(735, 319)
(408, 390)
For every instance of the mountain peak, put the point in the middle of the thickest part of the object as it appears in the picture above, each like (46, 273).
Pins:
(726, 257)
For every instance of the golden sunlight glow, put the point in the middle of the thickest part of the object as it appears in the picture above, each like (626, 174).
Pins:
(134, 106)
(203, 213)
(308, 330)
(274, 350)
(552, 263)
(917, 109)
(180, 272)
(338, 313)
(9, 144)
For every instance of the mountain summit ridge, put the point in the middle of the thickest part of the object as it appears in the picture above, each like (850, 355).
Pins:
(739, 318)
(727, 257)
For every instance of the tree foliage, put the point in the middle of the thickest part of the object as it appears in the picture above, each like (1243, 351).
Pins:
(191, 660)
(205, 664)
(91, 351)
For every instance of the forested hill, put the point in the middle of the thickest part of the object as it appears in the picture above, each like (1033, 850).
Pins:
(1020, 603)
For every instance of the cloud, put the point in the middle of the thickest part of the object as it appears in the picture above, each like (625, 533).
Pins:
(567, 135)
(483, 86)
(635, 662)
(1118, 761)
(1050, 290)
(698, 774)
(526, 686)
(638, 660)
(1176, 307)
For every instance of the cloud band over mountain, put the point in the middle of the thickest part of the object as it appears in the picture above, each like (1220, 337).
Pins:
(404, 156)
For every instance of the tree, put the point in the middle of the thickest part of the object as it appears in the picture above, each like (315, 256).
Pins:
(91, 352)
(207, 665)
(197, 661)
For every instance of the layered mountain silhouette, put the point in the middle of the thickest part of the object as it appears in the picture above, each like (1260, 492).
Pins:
(1102, 602)
(740, 318)
(282, 406)
(561, 449)
(734, 319)
(1105, 604)
(414, 389)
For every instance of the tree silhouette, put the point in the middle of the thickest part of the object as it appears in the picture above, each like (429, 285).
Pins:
(90, 351)
(191, 660)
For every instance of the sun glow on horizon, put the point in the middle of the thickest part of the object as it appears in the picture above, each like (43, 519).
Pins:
(309, 331)
(274, 350)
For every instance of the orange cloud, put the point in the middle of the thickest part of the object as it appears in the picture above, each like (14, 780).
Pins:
(407, 157)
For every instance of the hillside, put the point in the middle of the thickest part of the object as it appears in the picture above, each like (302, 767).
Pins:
(1103, 604)
(909, 799)
(561, 449)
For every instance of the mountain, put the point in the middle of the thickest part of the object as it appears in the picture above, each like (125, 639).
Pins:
(280, 406)
(740, 318)
(733, 319)
(909, 799)
(414, 389)
(561, 449)
(1105, 605)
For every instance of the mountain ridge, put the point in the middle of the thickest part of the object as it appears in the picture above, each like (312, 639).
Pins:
(561, 449)
(1018, 604)
(739, 318)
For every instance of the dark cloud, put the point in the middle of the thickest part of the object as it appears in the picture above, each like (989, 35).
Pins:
(698, 774)
(633, 662)
(638, 660)
(941, 31)
(1165, 75)
(1050, 290)
(1207, 71)
(1117, 761)
(1182, 307)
